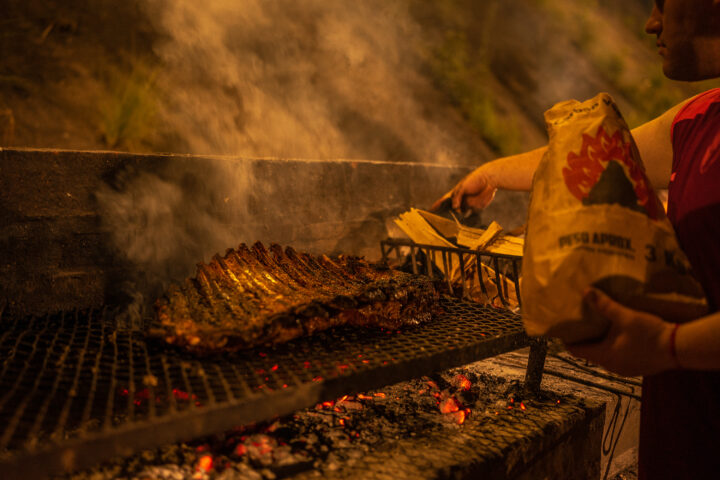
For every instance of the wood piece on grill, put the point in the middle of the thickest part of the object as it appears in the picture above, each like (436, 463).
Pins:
(257, 296)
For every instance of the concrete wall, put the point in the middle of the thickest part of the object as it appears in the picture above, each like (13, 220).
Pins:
(78, 226)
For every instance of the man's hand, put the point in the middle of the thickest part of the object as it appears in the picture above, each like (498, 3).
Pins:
(475, 191)
(637, 343)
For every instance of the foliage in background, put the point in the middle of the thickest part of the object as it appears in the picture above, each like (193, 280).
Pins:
(130, 111)
(460, 69)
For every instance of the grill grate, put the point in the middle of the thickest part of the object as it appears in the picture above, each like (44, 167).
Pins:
(75, 389)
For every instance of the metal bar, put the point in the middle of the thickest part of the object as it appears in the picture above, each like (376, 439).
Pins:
(16, 390)
(447, 271)
(463, 283)
(132, 395)
(483, 288)
(536, 364)
(516, 279)
(499, 282)
(152, 395)
(408, 243)
(95, 370)
(590, 383)
(110, 401)
(49, 396)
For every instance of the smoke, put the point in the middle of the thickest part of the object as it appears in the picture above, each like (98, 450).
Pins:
(164, 218)
(310, 79)
(269, 78)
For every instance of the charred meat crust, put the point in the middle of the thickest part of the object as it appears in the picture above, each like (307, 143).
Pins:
(256, 296)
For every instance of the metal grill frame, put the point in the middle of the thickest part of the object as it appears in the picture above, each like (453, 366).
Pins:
(390, 245)
(87, 350)
(538, 346)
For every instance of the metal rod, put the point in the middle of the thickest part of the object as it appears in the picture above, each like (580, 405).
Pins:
(590, 383)
(407, 243)
(516, 280)
(414, 260)
(479, 269)
(498, 282)
(447, 271)
(462, 276)
(536, 364)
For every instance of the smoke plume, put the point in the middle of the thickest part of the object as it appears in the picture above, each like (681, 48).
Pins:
(310, 79)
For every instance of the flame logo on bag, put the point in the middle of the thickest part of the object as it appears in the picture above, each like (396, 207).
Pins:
(605, 172)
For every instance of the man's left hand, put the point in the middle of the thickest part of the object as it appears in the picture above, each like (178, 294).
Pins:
(637, 343)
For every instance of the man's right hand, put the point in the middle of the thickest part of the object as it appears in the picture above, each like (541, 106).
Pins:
(474, 192)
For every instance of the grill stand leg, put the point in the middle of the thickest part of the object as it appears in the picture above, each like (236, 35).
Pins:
(536, 364)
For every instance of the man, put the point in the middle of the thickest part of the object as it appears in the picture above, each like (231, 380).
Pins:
(680, 418)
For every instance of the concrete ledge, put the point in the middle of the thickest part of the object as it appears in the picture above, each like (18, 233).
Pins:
(114, 217)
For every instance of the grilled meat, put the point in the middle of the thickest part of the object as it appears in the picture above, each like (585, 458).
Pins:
(254, 296)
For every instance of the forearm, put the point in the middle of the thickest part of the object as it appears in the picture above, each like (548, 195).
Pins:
(514, 172)
(697, 343)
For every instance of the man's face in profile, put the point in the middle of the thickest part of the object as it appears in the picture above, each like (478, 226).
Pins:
(688, 35)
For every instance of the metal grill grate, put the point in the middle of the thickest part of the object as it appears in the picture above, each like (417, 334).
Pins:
(75, 389)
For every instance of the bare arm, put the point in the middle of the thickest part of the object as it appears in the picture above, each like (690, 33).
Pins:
(655, 145)
(478, 188)
(697, 343)
(639, 343)
(516, 172)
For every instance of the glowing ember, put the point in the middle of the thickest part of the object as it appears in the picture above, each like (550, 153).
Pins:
(364, 397)
(205, 464)
(460, 416)
(274, 368)
(317, 379)
(240, 450)
(463, 382)
(380, 394)
(449, 405)
(522, 406)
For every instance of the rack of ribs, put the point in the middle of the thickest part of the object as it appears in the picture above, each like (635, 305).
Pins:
(254, 297)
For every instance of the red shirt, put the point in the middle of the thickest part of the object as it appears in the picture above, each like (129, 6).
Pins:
(680, 417)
